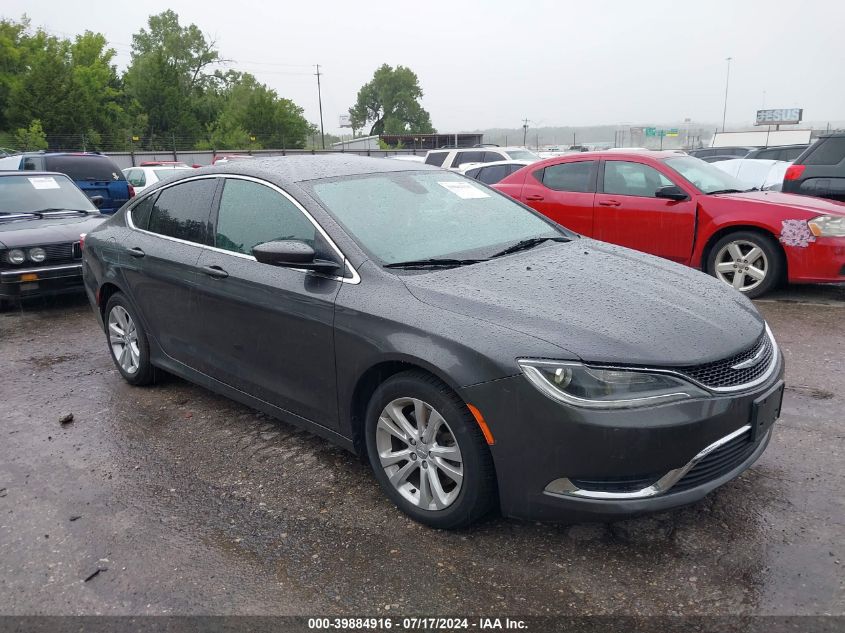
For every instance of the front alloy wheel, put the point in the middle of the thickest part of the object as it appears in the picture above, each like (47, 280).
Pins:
(428, 452)
(419, 454)
(749, 261)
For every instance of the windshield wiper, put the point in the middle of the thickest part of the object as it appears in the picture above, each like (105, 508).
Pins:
(434, 263)
(16, 214)
(531, 242)
(710, 193)
(59, 210)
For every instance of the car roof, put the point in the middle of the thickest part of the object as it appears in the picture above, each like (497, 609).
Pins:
(292, 169)
(20, 172)
(616, 154)
(512, 161)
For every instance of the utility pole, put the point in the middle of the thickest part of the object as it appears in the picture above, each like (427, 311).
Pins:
(727, 82)
(320, 101)
(524, 131)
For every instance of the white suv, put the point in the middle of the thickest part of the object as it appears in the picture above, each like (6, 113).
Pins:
(454, 158)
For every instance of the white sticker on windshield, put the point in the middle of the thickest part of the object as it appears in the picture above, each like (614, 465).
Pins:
(44, 182)
(464, 190)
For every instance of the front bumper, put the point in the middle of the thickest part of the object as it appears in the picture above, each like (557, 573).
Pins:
(541, 447)
(28, 282)
(822, 261)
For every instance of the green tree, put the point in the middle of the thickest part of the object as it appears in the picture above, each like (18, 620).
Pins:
(168, 77)
(31, 138)
(252, 109)
(72, 88)
(390, 101)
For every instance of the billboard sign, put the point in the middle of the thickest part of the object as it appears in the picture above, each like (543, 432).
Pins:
(781, 116)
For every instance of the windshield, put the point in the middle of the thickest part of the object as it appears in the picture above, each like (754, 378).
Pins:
(170, 173)
(522, 154)
(25, 194)
(705, 176)
(403, 216)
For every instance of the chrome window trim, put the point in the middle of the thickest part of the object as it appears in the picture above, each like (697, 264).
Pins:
(354, 279)
(563, 487)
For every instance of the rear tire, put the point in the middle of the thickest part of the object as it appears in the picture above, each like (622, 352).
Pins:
(749, 261)
(439, 471)
(127, 342)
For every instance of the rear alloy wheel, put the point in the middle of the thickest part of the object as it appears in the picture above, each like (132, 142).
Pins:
(127, 342)
(749, 262)
(428, 453)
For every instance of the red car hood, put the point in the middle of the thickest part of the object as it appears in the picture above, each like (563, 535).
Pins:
(813, 206)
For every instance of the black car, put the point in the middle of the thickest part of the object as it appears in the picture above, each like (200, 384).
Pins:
(820, 170)
(42, 218)
(717, 154)
(786, 153)
(479, 355)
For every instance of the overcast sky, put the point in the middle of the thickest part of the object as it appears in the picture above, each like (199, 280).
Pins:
(490, 63)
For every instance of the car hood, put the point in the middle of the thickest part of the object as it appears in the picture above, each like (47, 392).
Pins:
(600, 303)
(813, 206)
(50, 230)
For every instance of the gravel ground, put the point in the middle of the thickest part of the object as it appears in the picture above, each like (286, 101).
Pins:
(172, 500)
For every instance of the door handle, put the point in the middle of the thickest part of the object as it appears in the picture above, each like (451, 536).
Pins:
(135, 252)
(610, 203)
(534, 197)
(214, 271)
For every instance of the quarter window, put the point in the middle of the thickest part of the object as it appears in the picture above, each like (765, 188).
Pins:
(632, 179)
(576, 177)
(829, 151)
(141, 212)
(251, 214)
(182, 211)
(436, 158)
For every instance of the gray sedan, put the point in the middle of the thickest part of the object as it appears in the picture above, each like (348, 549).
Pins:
(478, 355)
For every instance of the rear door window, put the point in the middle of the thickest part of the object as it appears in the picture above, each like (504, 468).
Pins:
(182, 211)
(492, 157)
(493, 174)
(828, 151)
(467, 157)
(136, 177)
(94, 168)
(576, 177)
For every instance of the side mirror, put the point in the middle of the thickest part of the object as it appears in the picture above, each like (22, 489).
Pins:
(97, 200)
(292, 254)
(671, 192)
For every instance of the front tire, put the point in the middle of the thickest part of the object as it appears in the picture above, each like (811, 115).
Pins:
(427, 452)
(750, 262)
(127, 341)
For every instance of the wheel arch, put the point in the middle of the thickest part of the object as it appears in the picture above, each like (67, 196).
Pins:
(369, 381)
(104, 293)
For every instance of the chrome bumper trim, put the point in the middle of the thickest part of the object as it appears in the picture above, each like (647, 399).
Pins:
(17, 272)
(564, 487)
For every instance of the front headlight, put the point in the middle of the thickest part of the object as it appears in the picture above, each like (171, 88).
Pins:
(16, 256)
(37, 254)
(827, 226)
(593, 388)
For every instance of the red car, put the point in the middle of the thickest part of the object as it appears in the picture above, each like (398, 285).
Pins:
(681, 208)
